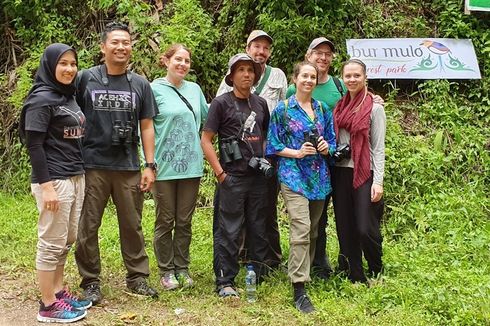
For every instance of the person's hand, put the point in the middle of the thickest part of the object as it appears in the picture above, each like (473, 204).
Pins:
(222, 177)
(376, 193)
(147, 179)
(306, 149)
(378, 99)
(322, 146)
(50, 197)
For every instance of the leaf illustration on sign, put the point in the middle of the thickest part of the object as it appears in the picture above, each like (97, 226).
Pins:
(455, 64)
(425, 64)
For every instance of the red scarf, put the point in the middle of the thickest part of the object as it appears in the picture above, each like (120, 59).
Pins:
(355, 117)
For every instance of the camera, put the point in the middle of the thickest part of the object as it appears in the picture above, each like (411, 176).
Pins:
(312, 137)
(230, 150)
(262, 165)
(122, 133)
(342, 152)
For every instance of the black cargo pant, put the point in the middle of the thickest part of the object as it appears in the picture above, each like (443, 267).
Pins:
(274, 253)
(358, 225)
(241, 201)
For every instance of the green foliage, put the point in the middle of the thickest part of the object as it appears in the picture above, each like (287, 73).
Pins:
(437, 176)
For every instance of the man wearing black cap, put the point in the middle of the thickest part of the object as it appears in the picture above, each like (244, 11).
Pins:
(240, 119)
(271, 86)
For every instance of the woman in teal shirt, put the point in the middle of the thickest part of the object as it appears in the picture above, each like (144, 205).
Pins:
(182, 110)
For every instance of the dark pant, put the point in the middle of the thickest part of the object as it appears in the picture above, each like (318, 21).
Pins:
(321, 263)
(123, 187)
(274, 254)
(242, 201)
(358, 225)
(175, 201)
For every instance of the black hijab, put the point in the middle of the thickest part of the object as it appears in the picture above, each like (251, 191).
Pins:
(46, 90)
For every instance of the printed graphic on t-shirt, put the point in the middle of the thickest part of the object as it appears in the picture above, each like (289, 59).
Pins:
(112, 100)
(178, 146)
(76, 130)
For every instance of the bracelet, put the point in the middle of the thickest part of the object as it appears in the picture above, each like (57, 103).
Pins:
(219, 175)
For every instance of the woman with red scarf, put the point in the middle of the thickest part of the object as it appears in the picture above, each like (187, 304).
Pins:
(357, 178)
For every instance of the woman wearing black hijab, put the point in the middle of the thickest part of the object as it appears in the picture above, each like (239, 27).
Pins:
(53, 126)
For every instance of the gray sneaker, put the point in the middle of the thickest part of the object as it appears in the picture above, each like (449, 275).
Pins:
(92, 292)
(142, 288)
(304, 304)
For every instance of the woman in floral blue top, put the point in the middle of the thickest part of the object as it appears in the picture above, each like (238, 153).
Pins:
(302, 136)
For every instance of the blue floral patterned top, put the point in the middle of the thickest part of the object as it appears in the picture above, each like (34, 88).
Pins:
(308, 176)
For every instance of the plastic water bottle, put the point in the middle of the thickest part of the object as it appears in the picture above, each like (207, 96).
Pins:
(250, 284)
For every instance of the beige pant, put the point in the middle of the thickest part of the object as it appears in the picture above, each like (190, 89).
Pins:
(57, 231)
(304, 216)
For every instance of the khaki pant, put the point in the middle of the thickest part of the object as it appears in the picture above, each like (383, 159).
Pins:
(57, 231)
(175, 201)
(304, 216)
(123, 187)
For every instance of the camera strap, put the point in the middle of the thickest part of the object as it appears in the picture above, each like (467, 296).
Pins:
(189, 106)
(286, 116)
(239, 115)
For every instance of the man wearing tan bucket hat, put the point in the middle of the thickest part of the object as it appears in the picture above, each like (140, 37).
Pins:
(271, 86)
(240, 119)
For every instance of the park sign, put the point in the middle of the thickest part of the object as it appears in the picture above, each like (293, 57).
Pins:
(416, 58)
(477, 5)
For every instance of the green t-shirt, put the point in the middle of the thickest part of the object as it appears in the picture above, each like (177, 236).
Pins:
(326, 92)
(178, 150)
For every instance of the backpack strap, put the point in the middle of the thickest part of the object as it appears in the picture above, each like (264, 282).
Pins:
(267, 73)
(82, 84)
(337, 83)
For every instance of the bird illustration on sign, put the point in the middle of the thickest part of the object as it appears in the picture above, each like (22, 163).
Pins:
(439, 50)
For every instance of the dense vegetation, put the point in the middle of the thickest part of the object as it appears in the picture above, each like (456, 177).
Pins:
(437, 230)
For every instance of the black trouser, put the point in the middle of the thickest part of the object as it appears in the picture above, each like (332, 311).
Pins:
(242, 201)
(321, 263)
(274, 254)
(358, 225)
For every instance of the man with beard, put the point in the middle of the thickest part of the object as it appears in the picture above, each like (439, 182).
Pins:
(116, 103)
(272, 87)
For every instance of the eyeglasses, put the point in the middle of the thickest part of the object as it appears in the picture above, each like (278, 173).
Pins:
(323, 53)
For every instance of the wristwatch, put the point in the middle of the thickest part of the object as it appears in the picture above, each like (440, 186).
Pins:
(152, 166)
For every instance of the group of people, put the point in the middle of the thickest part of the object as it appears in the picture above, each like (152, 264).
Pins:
(320, 137)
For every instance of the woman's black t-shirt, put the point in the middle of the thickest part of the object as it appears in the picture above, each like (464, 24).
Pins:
(63, 126)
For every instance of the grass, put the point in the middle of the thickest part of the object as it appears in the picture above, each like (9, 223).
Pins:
(437, 276)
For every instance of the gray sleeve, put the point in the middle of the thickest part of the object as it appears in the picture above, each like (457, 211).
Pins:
(377, 140)
(223, 88)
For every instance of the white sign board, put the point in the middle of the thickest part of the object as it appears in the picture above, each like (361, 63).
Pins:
(416, 58)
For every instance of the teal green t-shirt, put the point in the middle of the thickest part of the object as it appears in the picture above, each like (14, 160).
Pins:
(178, 150)
(326, 92)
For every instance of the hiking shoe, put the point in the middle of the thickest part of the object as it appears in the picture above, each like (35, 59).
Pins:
(59, 312)
(92, 293)
(142, 288)
(304, 304)
(73, 301)
(169, 281)
(184, 279)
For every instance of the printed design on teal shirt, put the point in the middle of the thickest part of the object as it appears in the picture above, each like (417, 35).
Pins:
(178, 146)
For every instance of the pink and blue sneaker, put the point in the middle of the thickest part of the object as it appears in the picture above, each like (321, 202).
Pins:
(59, 312)
(76, 303)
